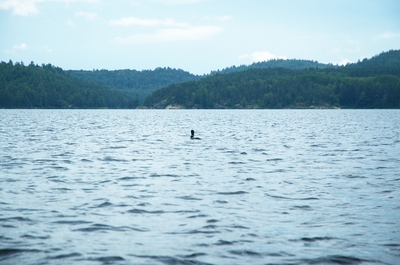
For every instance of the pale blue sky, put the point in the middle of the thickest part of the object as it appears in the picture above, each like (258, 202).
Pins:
(194, 35)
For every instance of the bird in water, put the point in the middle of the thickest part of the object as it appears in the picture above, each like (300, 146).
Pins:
(192, 136)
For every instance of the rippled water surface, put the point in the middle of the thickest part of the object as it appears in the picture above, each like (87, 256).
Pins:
(260, 187)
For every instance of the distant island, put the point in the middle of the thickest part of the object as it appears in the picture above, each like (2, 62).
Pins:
(275, 84)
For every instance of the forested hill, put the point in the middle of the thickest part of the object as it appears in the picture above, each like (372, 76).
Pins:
(47, 86)
(142, 83)
(276, 63)
(371, 83)
(145, 82)
(385, 59)
(132, 82)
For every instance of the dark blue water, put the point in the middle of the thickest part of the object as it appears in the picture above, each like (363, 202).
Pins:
(260, 187)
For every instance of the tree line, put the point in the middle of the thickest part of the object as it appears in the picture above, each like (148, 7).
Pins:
(372, 83)
(47, 86)
(276, 63)
(135, 83)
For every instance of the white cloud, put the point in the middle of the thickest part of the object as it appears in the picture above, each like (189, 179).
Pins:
(177, 2)
(387, 35)
(167, 30)
(21, 46)
(20, 7)
(29, 7)
(172, 35)
(133, 21)
(74, 1)
(219, 18)
(86, 15)
(16, 48)
(343, 62)
(47, 49)
(70, 23)
(260, 56)
(339, 54)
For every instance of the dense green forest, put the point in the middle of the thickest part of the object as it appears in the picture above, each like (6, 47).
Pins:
(47, 86)
(143, 83)
(371, 83)
(276, 63)
(136, 83)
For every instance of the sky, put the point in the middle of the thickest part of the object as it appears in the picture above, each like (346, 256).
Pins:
(198, 36)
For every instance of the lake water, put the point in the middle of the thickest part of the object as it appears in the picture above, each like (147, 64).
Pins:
(260, 187)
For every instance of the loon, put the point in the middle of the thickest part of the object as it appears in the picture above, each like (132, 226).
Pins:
(192, 136)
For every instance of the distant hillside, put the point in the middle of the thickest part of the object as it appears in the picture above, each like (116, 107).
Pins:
(370, 83)
(48, 86)
(132, 82)
(276, 63)
(385, 59)
(366, 84)
(143, 83)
